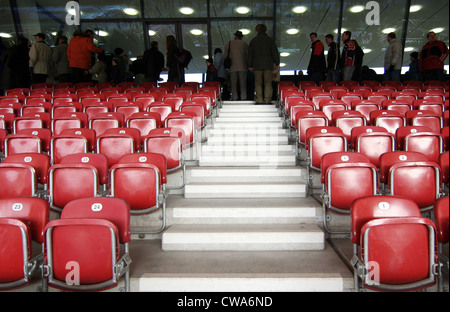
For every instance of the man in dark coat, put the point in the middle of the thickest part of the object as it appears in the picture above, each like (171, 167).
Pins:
(153, 62)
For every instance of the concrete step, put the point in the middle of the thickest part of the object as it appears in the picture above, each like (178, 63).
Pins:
(251, 149)
(248, 131)
(240, 237)
(245, 174)
(242, 211)
(247, 160)
(245, 190)
(155, 270)
(243, 139)
(247, 119)
(249, 114)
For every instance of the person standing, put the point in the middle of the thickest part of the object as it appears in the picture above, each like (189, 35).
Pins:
(40, 59)
(332, 59)
(432, 57)
(393, 58)
(19, 64)
(60, 60)
(262, 56)
(238, 50)
(79, 55)
(153, 62)
(351, 58)
(317, 66)
(175, 70)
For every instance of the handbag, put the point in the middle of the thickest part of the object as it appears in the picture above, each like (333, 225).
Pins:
(227, 60)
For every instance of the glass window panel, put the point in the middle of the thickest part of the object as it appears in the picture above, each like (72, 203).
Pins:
(92, 9)
(48, 17)
(247, 8)
(195, 40)
(7, 32)
(125, 35)
(223, 31)
(295, 21)
(172, 9)
(426, 16)
(373, 38)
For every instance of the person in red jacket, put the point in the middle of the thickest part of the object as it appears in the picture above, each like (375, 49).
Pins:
(432, 57)
(79, 55)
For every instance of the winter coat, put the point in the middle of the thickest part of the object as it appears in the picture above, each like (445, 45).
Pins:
(394, 54)
(238, 54)
(60, 60)
(79, 52)
(262, 53)
(41, 58)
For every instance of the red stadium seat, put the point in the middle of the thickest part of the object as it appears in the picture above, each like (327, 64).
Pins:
(394, 248)
(22, 176)
(346, 181)
(22, 221)
(67, 144)
(70, 181)
(76, 262)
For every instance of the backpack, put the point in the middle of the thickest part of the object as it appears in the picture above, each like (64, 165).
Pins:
(183, 57)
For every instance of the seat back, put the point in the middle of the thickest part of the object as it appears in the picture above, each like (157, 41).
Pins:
(104, 121)
(306, 120)
(402, 132)
(99, 161)
(133, 132)
(70, 181)
(428, 143)
(332, 158)
(419, 181)
(74, 260)
(22, 143)
(323, 140)
(144, 122)
(21, 176)
(404, 250)
(43, 134)
(169, 146)
(39, 161)
(444, 164)
(63, 145)
(162, 108)
(391, 120)
(441, 219)
(137, 183)
(185, 121)
(345, 182)
(346, 120)
(425, 118)
(375, 144)
(89, 134)
(387, 160)
(115, 146)
(33, 211)
(369, 208)
(115, 210)
(157, 159)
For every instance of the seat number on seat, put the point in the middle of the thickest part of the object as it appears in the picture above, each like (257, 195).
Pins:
(85, 159)
(17, 207)
(97, 207)
(383, 206)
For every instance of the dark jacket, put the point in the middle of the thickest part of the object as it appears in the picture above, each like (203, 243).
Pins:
(333, 57)
(153, 62)
(317, 61)
(262, 53)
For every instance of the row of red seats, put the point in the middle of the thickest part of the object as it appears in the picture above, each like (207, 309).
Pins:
(68, 258)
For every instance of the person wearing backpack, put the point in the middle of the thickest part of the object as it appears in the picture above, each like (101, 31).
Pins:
(175, 70)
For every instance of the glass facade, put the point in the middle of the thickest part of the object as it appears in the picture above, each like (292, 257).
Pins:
(204, 25)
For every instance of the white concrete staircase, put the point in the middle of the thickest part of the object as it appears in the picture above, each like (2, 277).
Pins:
(245, 203)
(247, 156)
